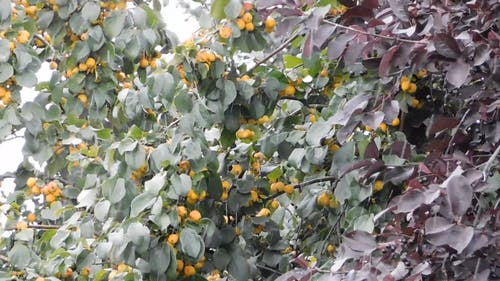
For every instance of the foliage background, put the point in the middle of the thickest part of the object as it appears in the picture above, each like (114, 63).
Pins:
(287, 140)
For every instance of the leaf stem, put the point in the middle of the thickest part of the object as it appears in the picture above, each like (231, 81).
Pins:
(272, 54)
(489, 162)
(423, 41)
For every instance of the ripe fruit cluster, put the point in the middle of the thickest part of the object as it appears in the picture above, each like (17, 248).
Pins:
(326, 199)
(51, 190)
(5, 95)
(138, 174)
(289, 91)
(245, 134)
(245, 19)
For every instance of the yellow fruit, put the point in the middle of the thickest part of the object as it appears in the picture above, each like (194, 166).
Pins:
(405, 83)
(264, 212)
(383, 127)
(323, 200)
(68, 273)
(289, 90)
(50, 198)
(23, 37)
(412, 88)
(323, 73)
(35, 190)
(259, 156)
(270, 23)
(288, 189)
(249, 27)
(225, 32)
(333, 147)
(83, 67)
(153, 63)
(85, 271)
(247, 17)
(415, 103)
(237, 231)
(39, 278)
(90, 62)
(275, 204)
(421, 73)
(378, 185)
(195, 216)
(263, 120)
(224, 196)
(181, 211)
(184, 166)
(240, 23)
(180, 265)
(31, 182)
(395, 122)
(31, 217)
(236, 169)
(83, 98)
(211, 57)
(173, 239)
(254, 196)
(122, 267)
(226, 185)
(330, 249)
(334, 203)
(189, 270)
(277, 187)
(53, 65)
(143, 63)
(21, 225)
(312, 118)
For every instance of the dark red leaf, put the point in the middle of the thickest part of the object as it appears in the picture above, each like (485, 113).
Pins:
(409, 201)
(375, 22)
(439, 123)
(459, 194)
(391, 111)
(372, 151)
(358, 102)
(458, 72)
(353, 53)
(337, 46)
(437, 224)
(400, 9)
(308, 46)
(322, 34)
(401, 148)
(481, 54)
(397, 175)
(385, 64)
(457, 237)
(370, 4)
(355, 13)
(446, 45)
(360, 241)
(264, 4)
(372, 119)
(374, 168)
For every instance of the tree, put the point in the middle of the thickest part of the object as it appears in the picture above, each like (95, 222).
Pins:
(287, 140)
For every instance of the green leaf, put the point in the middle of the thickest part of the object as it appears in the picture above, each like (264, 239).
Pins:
(139, 235)
(26, 79)
(239, 268)
(114, 23)
(6, 71)
(291, 61)
(180, 184)
(229, 93)
(4, 13)
(217, 9)
(343, 157)
(160, 258)
(19, 255)
(114, 189)
(104, 134)
(101, 210)
(154, 185)
(140, 203)
(90, 11)
(233, 8)
(183, 103)
(191, 244)
(4, 50)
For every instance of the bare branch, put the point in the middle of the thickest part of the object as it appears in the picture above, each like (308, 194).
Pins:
(490, 162)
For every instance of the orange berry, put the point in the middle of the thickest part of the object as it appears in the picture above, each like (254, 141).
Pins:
(323, 200)
(264, 212)
(270, 23)
(277, 187)
(53, 65)
(247, 17)
(240, 23)
(31, 217)
(289, 90)
(21, 225)
(412, 88)
(31, 182)
(383, 127)
(288, 189)
(50, 198)
(173, 238)
(225, 32)
(330, 249)
(181, 211)
(90, 62)
(143, 63)
(180, 265)
(395, 122)
(275, 204)
(249, 27)
(189, 270)
(236, 169)
(195, 216)
(378, 185)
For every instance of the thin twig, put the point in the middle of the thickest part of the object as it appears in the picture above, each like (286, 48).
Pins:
(374, 34)
(272, 54)
(268, 269)
(458, 128)
(323, 247)
(489, 162)
(39, 226)
(7, 175)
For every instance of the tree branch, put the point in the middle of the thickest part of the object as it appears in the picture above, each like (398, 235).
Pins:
(273, 53)
(489, 162)
(450, 143)
(4, 259)
(375, 34)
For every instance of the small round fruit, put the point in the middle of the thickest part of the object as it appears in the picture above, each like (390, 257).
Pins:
(53, 65)
(181, 211)
(195, 216)
(247, 17)
(264, 212)
(249, 27)
(330, 249)
(270, 23)
(180, 265)
(412, 88)
(236, 170)
(288, 189)
(189, 271)
(31, 182)
(289, 90)
(378, 185)
(173, 238)
(225, 32)
(143, 63)
(275, 204)
(31, 217)
(395, 122)
(323, 200)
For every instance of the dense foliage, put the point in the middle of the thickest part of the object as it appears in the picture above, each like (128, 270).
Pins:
(287, 140)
